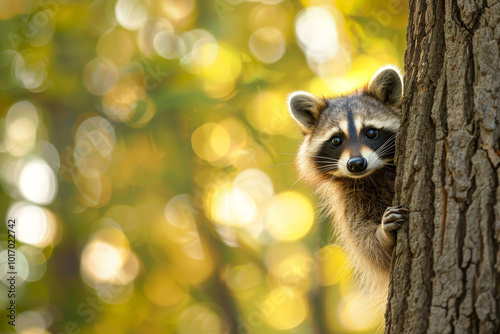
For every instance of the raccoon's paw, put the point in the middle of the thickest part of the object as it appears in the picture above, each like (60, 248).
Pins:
(393, 218)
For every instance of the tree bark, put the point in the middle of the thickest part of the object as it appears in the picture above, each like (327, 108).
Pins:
(446, 266)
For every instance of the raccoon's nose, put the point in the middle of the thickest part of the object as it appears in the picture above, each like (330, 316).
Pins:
(356, 165)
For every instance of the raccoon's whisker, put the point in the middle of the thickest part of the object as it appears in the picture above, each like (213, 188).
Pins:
(323, 158)
(294, 184)
(389, 151)
(284, 163)
(326, 161)
(327, 168)
(386, 147)
(326, 164)
(287, 153)
(380, 149)
(343, 270)
(393, 136)
(388, 143)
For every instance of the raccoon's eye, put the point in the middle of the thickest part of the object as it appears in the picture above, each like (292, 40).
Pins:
(336, 141)
(372, 133)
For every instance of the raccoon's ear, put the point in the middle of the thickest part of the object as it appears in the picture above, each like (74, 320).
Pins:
(305, 109)
(387, 85)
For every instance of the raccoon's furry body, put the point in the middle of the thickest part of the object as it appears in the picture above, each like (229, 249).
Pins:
(348, 155)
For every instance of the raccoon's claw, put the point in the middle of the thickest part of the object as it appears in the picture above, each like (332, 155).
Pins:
(393, 218)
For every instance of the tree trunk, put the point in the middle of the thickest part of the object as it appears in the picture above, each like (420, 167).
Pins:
(446, 266)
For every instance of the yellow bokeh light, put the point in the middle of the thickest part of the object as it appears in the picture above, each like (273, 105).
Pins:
(129, 270)
(291, 265)
(333, 265)
(116, 46)
(39, 227)
(290, 216)
(162, 289)
(219, 140)
(202, 50)
(222, 143)
(181, 227)
(110, 232)
(233, 206)
(22, 266)
(241, 279)
(237, 130)
(269, 16)
(101, 261)
(132, 14)
(145, 37)
(257, 184)
(37, 182)
(199, 318)
(331, 69)
(37, 262)
(33, 72)
(267, 44)
(180, 213)
(284, 308)
(107, 254)
(210, 141)
(21, 124)
(310, 25)
(94, 190)
(34, 330)
(176, 10)
(191, 270)
(362, 68)
(355, 313)
(32, 322)
(178, 239)
(107, 258)
(11, 8)
(267, 112)
(219, 77)
(241, 202)
(94, 141)
(100, 75)
(120, 103)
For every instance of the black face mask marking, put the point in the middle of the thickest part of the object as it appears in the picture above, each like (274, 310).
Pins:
(385, 138)
(327, 157)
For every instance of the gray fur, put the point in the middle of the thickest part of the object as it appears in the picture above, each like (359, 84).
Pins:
(387, 86)
(305, 109)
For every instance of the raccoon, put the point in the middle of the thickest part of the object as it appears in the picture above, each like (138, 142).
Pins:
(347, 153)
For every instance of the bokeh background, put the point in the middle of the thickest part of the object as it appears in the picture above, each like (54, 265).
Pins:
(146, 154)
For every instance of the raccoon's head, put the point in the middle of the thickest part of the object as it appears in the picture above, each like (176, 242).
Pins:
(351, 135)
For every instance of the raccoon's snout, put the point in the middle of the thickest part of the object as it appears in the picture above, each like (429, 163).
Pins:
(356, 165)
